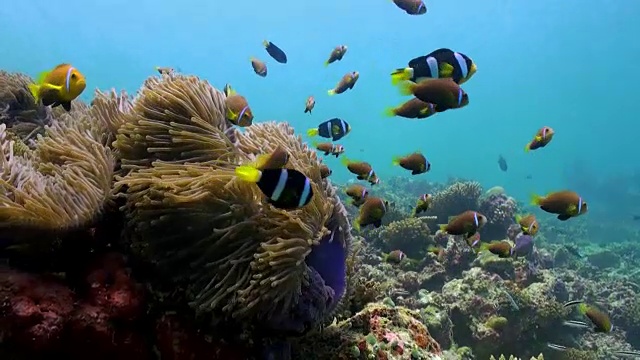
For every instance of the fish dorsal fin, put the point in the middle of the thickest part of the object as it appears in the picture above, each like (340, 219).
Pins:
(61, 66)
(441, 51)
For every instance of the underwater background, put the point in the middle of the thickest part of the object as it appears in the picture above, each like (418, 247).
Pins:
(568, 64)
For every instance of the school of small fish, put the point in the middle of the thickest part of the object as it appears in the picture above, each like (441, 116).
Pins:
(434, 83)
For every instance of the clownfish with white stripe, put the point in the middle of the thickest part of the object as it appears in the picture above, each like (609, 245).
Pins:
(371, 213)
(285, 189)
(347, 82)
(238, 111)
(445, 94)
(58, 86)
(363, 170)
(468, 223)
(334, 128)
(441, 63)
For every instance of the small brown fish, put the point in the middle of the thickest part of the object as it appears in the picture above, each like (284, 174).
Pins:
(467, 223)
(259, 67)
(325, 172)
(238, 111)
(502, 248)
(474, 240)
(330, 148)
(438, 251)
(311, 103)
(336, 54)
(276, 160)
(423, 204)
(371, 213)
(542, 138)
(165, 70)
(412, 109)
(415, 162)
(347, 82)
(357, 193)
(528, 223)
(566, 204)
(411, 7)
(395, 257)
(444, 93)
(362, 169)
(600, 320)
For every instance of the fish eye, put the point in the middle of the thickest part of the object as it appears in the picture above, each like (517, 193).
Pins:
(73, 76)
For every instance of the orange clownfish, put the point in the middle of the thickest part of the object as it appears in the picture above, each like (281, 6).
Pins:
(58, 86)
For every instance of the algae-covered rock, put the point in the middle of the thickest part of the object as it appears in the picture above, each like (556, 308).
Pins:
(377, 332)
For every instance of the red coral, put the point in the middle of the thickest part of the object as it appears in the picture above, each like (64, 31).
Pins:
(113, 289)
(422, 337)
(93, 335)
(33, 310)
(177, 341)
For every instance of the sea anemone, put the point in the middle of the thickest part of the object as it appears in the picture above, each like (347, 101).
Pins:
(60, 185)
(214, 234)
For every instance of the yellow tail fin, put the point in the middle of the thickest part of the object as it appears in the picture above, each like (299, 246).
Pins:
(399, 75)
(345, 161)
(326, 63)
(35, 89)
(406, 88)
(248, 173)
(396, 161)
(356, 225)
(527, 147)
(443, 227)
(312, 132)
(390, 112)
(536, 199)
(331, 92)
(518, 218)
(582, 307)
(265, 43)
(261, 160)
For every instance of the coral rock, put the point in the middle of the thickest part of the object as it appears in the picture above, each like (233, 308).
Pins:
(378, 332)
(34, 310)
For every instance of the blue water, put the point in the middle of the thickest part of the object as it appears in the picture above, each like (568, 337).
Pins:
(569, 64)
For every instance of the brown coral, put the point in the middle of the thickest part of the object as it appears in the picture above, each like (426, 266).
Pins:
(455, 199)
(411, 235)
(238, 254)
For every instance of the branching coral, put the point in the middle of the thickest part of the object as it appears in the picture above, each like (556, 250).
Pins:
(62, 184)
(217, 235)
(455, 199)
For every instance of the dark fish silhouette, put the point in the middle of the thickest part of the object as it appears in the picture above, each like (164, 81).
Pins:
(503, 163)
(636, 217)
(276, 53)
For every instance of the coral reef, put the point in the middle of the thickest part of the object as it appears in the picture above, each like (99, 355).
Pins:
(500, 211)
(455, 199)
(376, 332)
(126, 234)
(411, 235)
